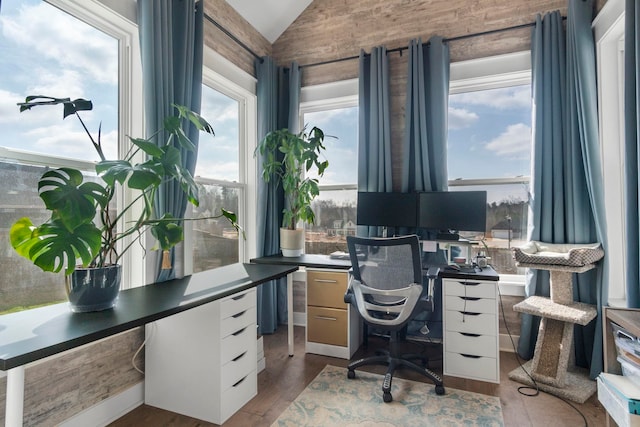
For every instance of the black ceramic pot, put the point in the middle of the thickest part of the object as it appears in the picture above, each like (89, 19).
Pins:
(93, 289)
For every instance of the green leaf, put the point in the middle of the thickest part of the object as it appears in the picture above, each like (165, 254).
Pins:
(51, 245)
(147, 146)
(167, 231)
(112, 171)
(72, 201)
(195, 118)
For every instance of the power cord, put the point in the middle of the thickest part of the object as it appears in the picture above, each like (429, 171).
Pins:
(525, 390)
(151, 328)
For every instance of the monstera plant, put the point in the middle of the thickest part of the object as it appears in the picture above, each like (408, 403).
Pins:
(83, 235)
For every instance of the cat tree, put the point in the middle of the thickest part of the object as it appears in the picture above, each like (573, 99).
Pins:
(552, 365)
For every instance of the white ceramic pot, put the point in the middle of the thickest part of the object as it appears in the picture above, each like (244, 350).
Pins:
(292, 242)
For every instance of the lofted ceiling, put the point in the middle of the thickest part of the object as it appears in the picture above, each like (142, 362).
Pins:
(270, 17)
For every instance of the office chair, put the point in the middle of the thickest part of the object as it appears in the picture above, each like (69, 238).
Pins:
(386, 288)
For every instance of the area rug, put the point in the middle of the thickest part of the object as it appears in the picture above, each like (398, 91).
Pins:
(333, 400)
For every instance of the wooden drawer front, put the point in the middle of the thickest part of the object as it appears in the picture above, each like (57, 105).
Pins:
(473, 304)
(237, 395)
(237, 322)
(327, 325)
(234, 304)
(470, 288)
(238, 368)
(473, 323)
(473, 344)
(237, 343)
(326, 288)
(480, 368)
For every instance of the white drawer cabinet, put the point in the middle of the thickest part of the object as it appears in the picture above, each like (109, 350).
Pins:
(202, 362)
(470, 316)
(333, 328)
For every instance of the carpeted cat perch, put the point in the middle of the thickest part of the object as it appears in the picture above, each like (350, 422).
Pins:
(552, 365)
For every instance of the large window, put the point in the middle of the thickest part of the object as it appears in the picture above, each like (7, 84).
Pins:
(489, 149)
(335, 207)
(50, 50)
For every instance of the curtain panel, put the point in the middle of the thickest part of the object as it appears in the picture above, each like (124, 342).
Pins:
(278, 97)
(171, 43)
(374, 128)
(632, 150)
(566, 204)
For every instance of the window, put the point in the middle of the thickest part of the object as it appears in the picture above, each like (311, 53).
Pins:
(223, 169)
(335, 207)
(70, 50)
(489, 146)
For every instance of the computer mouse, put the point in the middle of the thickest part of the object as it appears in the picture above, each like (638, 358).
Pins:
(455, 267)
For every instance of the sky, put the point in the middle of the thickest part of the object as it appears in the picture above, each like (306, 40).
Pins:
(489, 131)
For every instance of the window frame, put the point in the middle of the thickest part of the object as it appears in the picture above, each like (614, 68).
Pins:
(486, 73)
(608, 29)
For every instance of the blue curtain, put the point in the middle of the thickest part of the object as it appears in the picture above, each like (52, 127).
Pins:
(374, 129)
(278, 96)
(566, 183)
(171, 43)
(424, 161)
(632, 149)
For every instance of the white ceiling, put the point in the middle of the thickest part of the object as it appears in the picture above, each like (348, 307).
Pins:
(270, 17)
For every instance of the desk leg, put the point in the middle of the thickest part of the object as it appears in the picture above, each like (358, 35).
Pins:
(290, 313)
(15, 397)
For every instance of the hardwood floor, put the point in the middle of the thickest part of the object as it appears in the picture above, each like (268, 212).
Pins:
(285, 377)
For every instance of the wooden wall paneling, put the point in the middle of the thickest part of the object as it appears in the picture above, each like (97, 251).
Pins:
(229, 19)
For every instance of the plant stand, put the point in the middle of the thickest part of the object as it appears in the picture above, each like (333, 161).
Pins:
(552, 365)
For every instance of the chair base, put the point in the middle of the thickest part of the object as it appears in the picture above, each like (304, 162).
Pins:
(395, 361)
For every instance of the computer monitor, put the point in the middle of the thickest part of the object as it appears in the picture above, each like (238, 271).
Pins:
(387, 209)
(453, 210)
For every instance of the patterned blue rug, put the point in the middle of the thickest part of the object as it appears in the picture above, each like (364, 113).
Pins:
(333, 400)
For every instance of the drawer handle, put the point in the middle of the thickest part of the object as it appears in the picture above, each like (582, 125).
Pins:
(470, 298)
(467, 334)
(469, 313)
(238, 297)
(238, 383)
(469, 283)
(235, 316)
(239, 357)
(238, 332)
(333, 319)
(325, 280)
(470, 356)
(625, 335)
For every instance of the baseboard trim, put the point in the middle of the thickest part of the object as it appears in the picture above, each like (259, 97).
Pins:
(109, 410)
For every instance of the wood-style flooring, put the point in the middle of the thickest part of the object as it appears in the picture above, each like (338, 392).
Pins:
(285, 377)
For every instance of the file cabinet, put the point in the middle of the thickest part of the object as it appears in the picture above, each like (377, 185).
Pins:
(333, 328)
(470, 320)
(202, 362)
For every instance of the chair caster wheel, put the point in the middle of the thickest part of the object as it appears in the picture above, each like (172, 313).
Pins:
(439, 390)
(351, 374)
(387, 397)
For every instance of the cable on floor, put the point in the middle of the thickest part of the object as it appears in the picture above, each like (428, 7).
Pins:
(532, 391)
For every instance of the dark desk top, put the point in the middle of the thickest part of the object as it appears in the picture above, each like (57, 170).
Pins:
(31, 335)
(325, 261)
(305, 260)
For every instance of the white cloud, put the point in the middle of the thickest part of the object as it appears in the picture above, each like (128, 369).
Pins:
(9, 111)
(461, 118)
(321, 118)
(502, 99)
(514, 142)
(65, 40)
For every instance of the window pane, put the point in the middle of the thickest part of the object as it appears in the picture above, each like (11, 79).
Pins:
(507, 212)
(218, 157)
(335, 209)
(490, 133)
(341, 151)
(215, 242)
(45, 51)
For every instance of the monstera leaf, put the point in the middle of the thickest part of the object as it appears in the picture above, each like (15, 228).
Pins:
(52, 245)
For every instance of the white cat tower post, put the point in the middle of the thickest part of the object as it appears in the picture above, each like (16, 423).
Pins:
(552, 365)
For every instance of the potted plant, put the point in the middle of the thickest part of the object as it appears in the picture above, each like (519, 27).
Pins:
(288, 156)
(83, 236)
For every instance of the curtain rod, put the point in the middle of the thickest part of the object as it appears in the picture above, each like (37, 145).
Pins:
(450, 39)
(232, 37)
